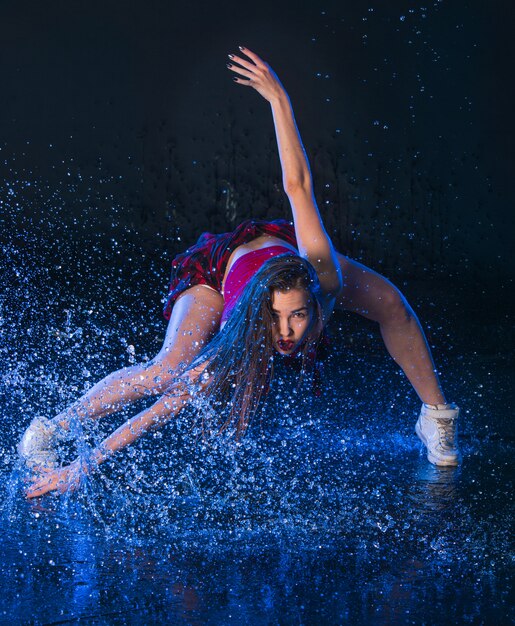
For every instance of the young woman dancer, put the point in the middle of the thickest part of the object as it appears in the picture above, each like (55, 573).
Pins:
(238, 298)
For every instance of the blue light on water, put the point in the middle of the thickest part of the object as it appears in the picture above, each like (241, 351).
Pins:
(327, 512)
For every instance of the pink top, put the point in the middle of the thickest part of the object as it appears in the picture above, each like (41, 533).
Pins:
(242, 272)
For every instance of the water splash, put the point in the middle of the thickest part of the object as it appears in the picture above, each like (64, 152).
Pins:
(337, 484)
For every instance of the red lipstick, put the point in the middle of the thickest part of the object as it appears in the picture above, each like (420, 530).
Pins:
(285, 345)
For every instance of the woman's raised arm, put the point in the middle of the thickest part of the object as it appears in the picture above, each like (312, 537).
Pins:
(312, 238)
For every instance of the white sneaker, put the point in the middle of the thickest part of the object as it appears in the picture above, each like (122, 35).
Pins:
(36, 447)
(436, 427)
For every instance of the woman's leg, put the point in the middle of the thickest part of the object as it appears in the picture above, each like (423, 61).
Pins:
(369, 294)
(195, 319)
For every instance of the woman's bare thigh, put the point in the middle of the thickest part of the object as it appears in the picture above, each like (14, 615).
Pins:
(194, 320)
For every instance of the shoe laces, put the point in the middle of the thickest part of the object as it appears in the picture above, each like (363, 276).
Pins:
(446, 432)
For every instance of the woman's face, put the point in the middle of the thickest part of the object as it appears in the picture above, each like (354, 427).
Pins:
(292, 311)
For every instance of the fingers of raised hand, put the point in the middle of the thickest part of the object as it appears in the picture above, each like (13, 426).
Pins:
(252, 55)
(243, 62)
(250, 70)
(239, 70)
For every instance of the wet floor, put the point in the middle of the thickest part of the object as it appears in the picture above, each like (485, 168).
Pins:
(328, 511)
(326, 514)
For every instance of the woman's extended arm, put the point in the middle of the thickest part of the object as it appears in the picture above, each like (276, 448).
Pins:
(68, 478)
(312, 238)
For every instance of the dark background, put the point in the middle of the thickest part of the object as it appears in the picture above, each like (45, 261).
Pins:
(123, 136)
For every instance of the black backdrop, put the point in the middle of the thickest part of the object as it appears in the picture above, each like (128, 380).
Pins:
(122, 129)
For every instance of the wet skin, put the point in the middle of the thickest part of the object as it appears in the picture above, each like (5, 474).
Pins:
(292, 312)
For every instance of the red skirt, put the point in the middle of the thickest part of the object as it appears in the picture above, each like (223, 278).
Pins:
(205, 262)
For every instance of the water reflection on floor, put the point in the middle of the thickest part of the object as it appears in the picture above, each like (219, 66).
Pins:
(300, 526)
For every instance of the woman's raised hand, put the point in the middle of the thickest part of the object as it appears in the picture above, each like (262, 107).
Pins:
(254, 72)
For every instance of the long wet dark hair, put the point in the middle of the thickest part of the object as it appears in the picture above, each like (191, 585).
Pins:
(240, 358)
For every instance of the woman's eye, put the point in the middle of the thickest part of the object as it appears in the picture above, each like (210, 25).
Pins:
(300, 315)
